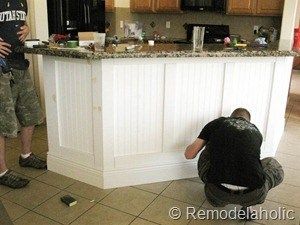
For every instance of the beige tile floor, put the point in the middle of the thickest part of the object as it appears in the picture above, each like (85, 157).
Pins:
(39, 203)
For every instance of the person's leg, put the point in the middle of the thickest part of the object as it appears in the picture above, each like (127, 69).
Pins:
(8, 128)
(203, 164)
(29, 114)
(26, 139)
(274, 176)
(274, 172)
(3, 167)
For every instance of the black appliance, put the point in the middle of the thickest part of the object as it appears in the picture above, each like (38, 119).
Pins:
(201, 5)
(73, 16)
(213, 33)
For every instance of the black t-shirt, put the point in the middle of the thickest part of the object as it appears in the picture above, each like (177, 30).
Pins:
(234, 146)
(12, 16)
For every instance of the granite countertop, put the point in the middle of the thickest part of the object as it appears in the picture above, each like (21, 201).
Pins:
(162, 51)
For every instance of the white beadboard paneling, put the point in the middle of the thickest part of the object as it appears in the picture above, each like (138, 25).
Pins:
(138, 108)
(119, 122)
(74, 105)
(249, 85)
(193, 97)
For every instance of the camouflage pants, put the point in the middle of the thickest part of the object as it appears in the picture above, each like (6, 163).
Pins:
(19, 105)
(219, 198)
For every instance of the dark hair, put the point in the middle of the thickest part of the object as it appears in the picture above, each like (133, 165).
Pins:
(241, 112)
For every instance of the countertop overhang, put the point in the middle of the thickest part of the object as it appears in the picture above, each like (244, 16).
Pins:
(162, 51)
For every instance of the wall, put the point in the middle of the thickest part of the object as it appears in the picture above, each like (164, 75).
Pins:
(298, 15)
(122, 3)
(289, 22)
(242, 25)
(38, 22)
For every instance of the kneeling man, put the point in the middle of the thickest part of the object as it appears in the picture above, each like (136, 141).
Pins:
(230, 164)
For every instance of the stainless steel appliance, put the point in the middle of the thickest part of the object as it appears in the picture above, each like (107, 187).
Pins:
(213, 33)
(72, 16)
(201, 5)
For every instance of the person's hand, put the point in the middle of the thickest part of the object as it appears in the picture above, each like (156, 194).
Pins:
(4, 48)
(23, 33)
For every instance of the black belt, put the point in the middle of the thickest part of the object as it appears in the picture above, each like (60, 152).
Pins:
(221, 187)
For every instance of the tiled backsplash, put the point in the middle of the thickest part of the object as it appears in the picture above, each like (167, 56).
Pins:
(242, 25)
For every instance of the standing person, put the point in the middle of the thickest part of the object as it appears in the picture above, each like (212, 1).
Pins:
(230, 164)
(19, 105)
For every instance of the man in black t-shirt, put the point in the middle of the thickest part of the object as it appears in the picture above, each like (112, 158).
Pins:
(19, 105)
(230, 165)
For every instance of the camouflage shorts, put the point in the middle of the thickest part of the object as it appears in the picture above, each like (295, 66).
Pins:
(19, 104)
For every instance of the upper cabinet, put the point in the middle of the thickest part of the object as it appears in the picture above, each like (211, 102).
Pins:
(241, 6)
(142, 5)
(255, 7)
(109, 5)
(154, 6)
(270, 7)
(168, 6)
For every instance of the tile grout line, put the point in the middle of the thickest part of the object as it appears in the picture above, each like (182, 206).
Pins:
(47, 217)
(116, 209)
(138, 216)
(282, 203)
(54, 219)
(96, 203)
(283, 153)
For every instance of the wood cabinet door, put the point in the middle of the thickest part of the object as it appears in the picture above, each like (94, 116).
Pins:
(243, 7)
(270, 7)
(168, 6)
(109, 5)
(142, 5)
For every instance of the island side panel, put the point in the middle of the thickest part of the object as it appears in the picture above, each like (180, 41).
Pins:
(68, 85)
(278, 102)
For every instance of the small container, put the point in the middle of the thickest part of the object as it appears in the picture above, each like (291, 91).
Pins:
(296, 45)
(151, 42)
(72, 44)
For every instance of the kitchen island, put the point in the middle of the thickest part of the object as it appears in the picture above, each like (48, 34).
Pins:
(120, 119)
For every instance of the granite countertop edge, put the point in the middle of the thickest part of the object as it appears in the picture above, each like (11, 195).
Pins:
(158, 54)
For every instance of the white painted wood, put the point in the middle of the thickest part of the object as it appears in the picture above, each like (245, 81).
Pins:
(69, 98)
(121, 178)
(138, 108)
(249, 85)
(278, 102)
(120, 122)
(97, 114)
(51, 105)
(107, 114)
(193, 97)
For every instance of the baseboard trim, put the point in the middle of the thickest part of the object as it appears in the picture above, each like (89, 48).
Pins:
(121, 178)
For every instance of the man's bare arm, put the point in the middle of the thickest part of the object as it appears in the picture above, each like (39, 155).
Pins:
(192, 150)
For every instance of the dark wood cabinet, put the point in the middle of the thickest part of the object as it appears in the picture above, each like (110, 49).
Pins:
(109, 5)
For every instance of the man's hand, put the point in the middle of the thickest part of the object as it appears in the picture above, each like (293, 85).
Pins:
(4, 48)
(23, 33)
(192, 150)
